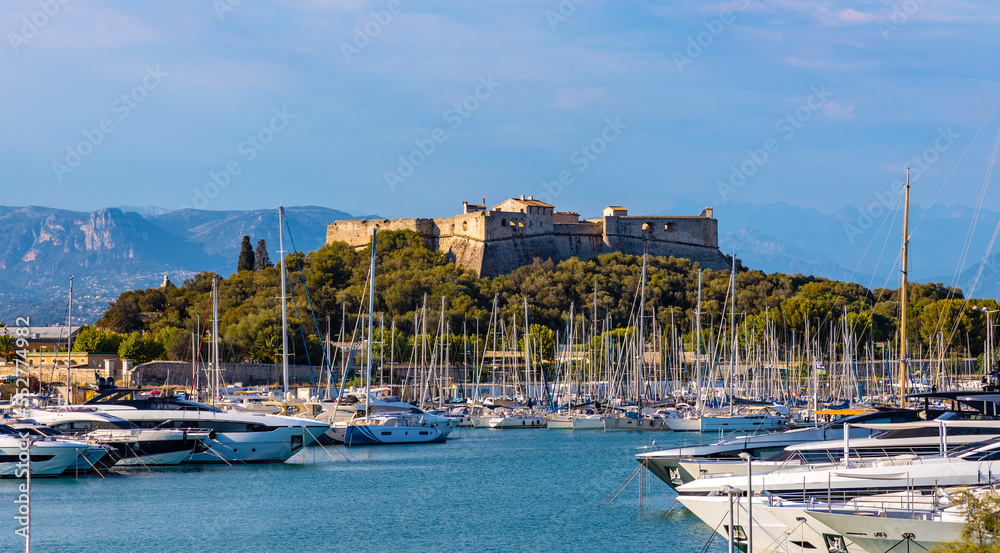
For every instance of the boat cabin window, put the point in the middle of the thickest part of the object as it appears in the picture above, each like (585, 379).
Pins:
(218, 426)
(989, 455)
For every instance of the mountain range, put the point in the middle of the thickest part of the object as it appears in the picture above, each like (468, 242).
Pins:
(121, 248)
(112, 250)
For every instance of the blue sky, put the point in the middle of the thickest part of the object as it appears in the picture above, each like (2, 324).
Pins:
(223, 104)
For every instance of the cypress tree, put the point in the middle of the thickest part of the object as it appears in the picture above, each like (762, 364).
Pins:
(246, 256)
(261, 259)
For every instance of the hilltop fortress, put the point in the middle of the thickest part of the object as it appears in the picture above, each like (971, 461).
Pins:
(514, 232)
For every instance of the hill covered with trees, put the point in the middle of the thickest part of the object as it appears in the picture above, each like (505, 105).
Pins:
(326, 288)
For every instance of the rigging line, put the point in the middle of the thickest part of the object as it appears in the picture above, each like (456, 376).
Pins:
(302, 276)
(325, 450)
(857, 266)
(350, 352)
(715, 532)
(975, 218)
(967, 148)
(881, 254)
(989, 248)
(934, 200)
(305, 344)
(878, 262)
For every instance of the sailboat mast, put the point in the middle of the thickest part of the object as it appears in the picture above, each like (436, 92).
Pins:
(527, 354)
(284, 303)
(697, 350)
(732, 330)
(69, 342)
(642, 347)
(215, 338)
(902, 293)
(371, 320)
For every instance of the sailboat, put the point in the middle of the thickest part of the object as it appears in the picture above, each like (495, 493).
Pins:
(762, 419)
(387, 427)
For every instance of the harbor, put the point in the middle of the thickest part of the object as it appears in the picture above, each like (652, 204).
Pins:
(566, 276)
(482, 490)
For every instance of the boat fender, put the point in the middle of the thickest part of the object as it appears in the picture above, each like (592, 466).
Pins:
(211, 434)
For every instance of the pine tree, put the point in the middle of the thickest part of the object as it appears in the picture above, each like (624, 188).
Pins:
(246, 256)
(261, 259)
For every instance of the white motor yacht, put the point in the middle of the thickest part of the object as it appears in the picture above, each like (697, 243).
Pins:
(132, 445)
(975, 464)
(49, 456)
(666, 464)
(234, 437)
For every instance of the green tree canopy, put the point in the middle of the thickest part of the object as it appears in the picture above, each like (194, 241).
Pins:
(141, 348)
(246, 261)
(261, 259)
(94, 340)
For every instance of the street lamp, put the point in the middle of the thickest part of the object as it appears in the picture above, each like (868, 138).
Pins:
(731, 491)
(988, 357)
(749, 459)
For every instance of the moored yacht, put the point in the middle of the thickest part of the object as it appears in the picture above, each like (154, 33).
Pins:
(666, 463)
(96, 458)
(49, 457)
(391, 429)
(404, 428)
(132, 445)
(581, 420)
(504, 419)
(234, 437)
(972, 465)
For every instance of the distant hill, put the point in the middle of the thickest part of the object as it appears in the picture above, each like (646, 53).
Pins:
(116, 249)
(862, 247)
(112, 250)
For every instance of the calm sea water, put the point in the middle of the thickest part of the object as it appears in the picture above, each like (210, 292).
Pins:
(482, 490)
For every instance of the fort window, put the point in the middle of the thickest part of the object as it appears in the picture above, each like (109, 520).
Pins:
(503, 222)
(465, 225)
(666, 226)
(647, 226)
(520, 223)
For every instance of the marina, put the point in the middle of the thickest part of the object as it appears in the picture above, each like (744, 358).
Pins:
(482, 490)
(559, 277)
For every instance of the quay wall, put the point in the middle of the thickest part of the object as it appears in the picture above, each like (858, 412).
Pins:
(515, 233)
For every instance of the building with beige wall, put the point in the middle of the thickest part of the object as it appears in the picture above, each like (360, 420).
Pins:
(513, 233)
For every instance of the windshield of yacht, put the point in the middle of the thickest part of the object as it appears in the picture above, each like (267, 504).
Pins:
(968, 451)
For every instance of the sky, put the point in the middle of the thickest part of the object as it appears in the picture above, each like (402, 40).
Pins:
(407, 107)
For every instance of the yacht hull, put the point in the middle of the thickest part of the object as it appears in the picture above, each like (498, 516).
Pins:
(879, 534)
(47, 458)
(362, 434)
(614, 424)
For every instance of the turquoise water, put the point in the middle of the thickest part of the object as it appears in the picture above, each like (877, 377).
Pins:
(482, 490)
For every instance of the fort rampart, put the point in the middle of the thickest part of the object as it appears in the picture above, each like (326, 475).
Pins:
(513, 233)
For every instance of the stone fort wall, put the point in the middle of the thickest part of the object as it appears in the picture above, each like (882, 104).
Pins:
(512, 234)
